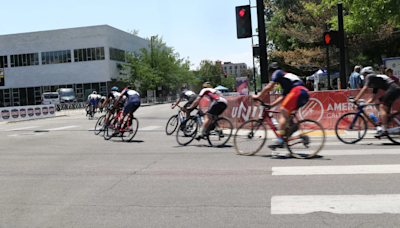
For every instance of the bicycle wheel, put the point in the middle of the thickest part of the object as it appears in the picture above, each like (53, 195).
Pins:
(394, 128)
(108, 133)
(250, 137)
(99, 125)
(349, 132)
(187, 131)
(305, 138)
(220, 132)
(172, 124)
(131, 131)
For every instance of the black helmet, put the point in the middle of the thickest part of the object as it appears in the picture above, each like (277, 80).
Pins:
(273, 66)
(183, 87)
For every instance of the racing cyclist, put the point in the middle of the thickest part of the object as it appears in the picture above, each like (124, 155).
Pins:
(93, 99)
(132, 104)
(383, 82)
(294, 96)
(218, 104)
(189, 95)
(111, 98)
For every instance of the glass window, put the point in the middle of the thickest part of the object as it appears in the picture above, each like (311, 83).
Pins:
(69, 56)
(43, 58)
(47, 57)
(28, 60)
(93, 53)
(12, 60)
(76, 55)
(52, 57)
(55, 54)
(19, 60)
(89, 54)
(80, 55)
(102, 53)
(84, 54)
(98, 54)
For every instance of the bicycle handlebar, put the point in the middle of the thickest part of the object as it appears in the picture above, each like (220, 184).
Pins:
(262, 103)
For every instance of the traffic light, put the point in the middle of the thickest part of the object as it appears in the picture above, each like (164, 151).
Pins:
(331, 38)
(248, 75)
(225, 75)
(243, 22)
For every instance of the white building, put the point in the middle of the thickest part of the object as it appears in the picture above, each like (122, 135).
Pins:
(236, 69)
(81, 58)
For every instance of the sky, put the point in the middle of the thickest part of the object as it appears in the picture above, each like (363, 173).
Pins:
(197, 29)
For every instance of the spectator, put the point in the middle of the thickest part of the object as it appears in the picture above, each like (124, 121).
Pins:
(383, 69)
(389, 73)
(310, 85)
(355, 79)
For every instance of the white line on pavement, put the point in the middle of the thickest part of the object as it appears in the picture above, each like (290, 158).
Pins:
(329, 170)
(363, 151)
(338, 204)
(60, 128)
(22, 128)
(149, 128)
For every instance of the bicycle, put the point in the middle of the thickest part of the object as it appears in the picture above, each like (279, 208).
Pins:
(90, 111)
(352, 127)
(127, 131)
(173, 122)
(218, 133)
(98, 128)
(301, 135)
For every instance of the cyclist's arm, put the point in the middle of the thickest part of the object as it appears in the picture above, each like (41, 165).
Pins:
(105, 102)
(265, 91)
(177, 102)
(372, 99)
(277, 101)
(195, 103)
(363, 90)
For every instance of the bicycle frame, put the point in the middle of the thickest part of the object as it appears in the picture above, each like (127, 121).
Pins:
(266, 117)
(117, 117)
(362, 112)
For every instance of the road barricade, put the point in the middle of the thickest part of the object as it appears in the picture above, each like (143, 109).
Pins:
(17, 113)
(325, 107)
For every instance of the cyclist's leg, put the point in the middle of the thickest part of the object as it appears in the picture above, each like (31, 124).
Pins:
(387, 100)
(215, 110)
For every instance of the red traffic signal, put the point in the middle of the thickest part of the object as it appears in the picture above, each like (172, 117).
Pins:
(243, 22)
(242, 12)
(225, 75)
(331, 38)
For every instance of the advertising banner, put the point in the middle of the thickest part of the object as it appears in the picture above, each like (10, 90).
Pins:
(26, 112)
(242, 86)
(325, 107)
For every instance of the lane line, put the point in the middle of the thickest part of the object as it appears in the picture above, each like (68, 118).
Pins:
(149, 128)
(338, 204)
(61, 128)
(22, 128)
(335, 170)
(363, 151)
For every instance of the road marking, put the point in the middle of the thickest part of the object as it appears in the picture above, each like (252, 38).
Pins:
(332, 170)
(340, 152)
(149, 128)
(60, 128)
(320, 132)
(22, 128)
(338, 204)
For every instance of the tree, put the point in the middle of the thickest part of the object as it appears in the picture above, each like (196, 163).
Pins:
(229, 82)
(210, 71)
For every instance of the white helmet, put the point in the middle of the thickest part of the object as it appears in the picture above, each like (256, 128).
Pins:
(367, 69)
(94, 92)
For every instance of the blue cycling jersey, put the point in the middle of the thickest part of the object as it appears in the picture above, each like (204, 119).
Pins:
(287, 80)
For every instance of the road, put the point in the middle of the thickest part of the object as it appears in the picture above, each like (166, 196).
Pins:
(56, 173)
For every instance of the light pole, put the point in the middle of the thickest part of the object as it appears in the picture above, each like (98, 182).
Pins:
(152, 63)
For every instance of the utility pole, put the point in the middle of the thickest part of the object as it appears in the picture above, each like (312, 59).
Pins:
(263, 43)
(343, 80)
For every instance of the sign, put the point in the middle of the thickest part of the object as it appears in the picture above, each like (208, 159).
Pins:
(331, 38)
(26, 112)
(242, 86)
(1, 76)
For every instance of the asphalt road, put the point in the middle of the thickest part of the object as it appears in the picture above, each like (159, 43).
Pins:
(57, 173)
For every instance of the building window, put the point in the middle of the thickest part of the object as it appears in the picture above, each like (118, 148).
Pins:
(88, 54)
(117, 54)
(53, 57)
(235, 67)
(3, 61)
(230, 67)
(30, 59)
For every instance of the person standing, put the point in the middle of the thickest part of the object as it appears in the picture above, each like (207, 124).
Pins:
(389, 73)
(355, 78)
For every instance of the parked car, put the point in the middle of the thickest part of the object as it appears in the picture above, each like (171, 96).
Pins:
(66, 95)
(50, 98)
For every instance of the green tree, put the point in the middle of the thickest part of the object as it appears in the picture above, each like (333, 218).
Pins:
(229, 82)
(210, 71)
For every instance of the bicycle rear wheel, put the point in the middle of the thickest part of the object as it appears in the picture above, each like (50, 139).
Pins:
(131, 131)
(220, 133)
(250, 137)
(172, 124)
(305, 138)
(108, 133)
(394, 128)
(349, 132)
(187, 131)
(99, 125)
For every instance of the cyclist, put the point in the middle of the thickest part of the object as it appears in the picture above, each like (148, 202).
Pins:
(102, 99)
(383, 82)
(294, 96)
(93, 99)
(132, 104)
(111, 98)
(218, 104)
(189, 95)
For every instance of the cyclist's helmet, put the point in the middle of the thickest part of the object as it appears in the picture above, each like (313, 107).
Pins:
(273, 67)
(367, 69)
(94, 92)
(207, 85)
(114, 88)
(183, 87)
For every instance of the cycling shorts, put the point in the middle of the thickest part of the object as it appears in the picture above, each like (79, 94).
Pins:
(216, 108)
(392, 94)
(190, 101)
(296, 98)
(132, 105)
(94, 102)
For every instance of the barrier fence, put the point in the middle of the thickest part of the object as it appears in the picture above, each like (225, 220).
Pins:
(26, 112)
(326, 107)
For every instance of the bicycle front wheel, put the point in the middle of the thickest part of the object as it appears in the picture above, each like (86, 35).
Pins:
(250, 137)
(220, 132)
(394, 128)
(131, 130)
(187, 131)
(108, 133)
(350, 130)
(172, 124)
(305, 138)
(99, 125)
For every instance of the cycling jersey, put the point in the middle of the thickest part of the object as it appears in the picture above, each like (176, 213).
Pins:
(378, 81)
(287, 80)
(130, 93)
(187, 94)
(212, 94)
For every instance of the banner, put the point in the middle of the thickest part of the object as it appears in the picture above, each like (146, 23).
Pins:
(26, 112)
(326, 107)
(242, 86)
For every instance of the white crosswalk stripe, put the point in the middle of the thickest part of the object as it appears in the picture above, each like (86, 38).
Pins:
(61, 128)
(22, 128)
(330, 170)
(149, 128)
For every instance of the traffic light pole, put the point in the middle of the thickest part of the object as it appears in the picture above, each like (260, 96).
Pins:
(327, 63)
(343, 80)
(263, 43)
